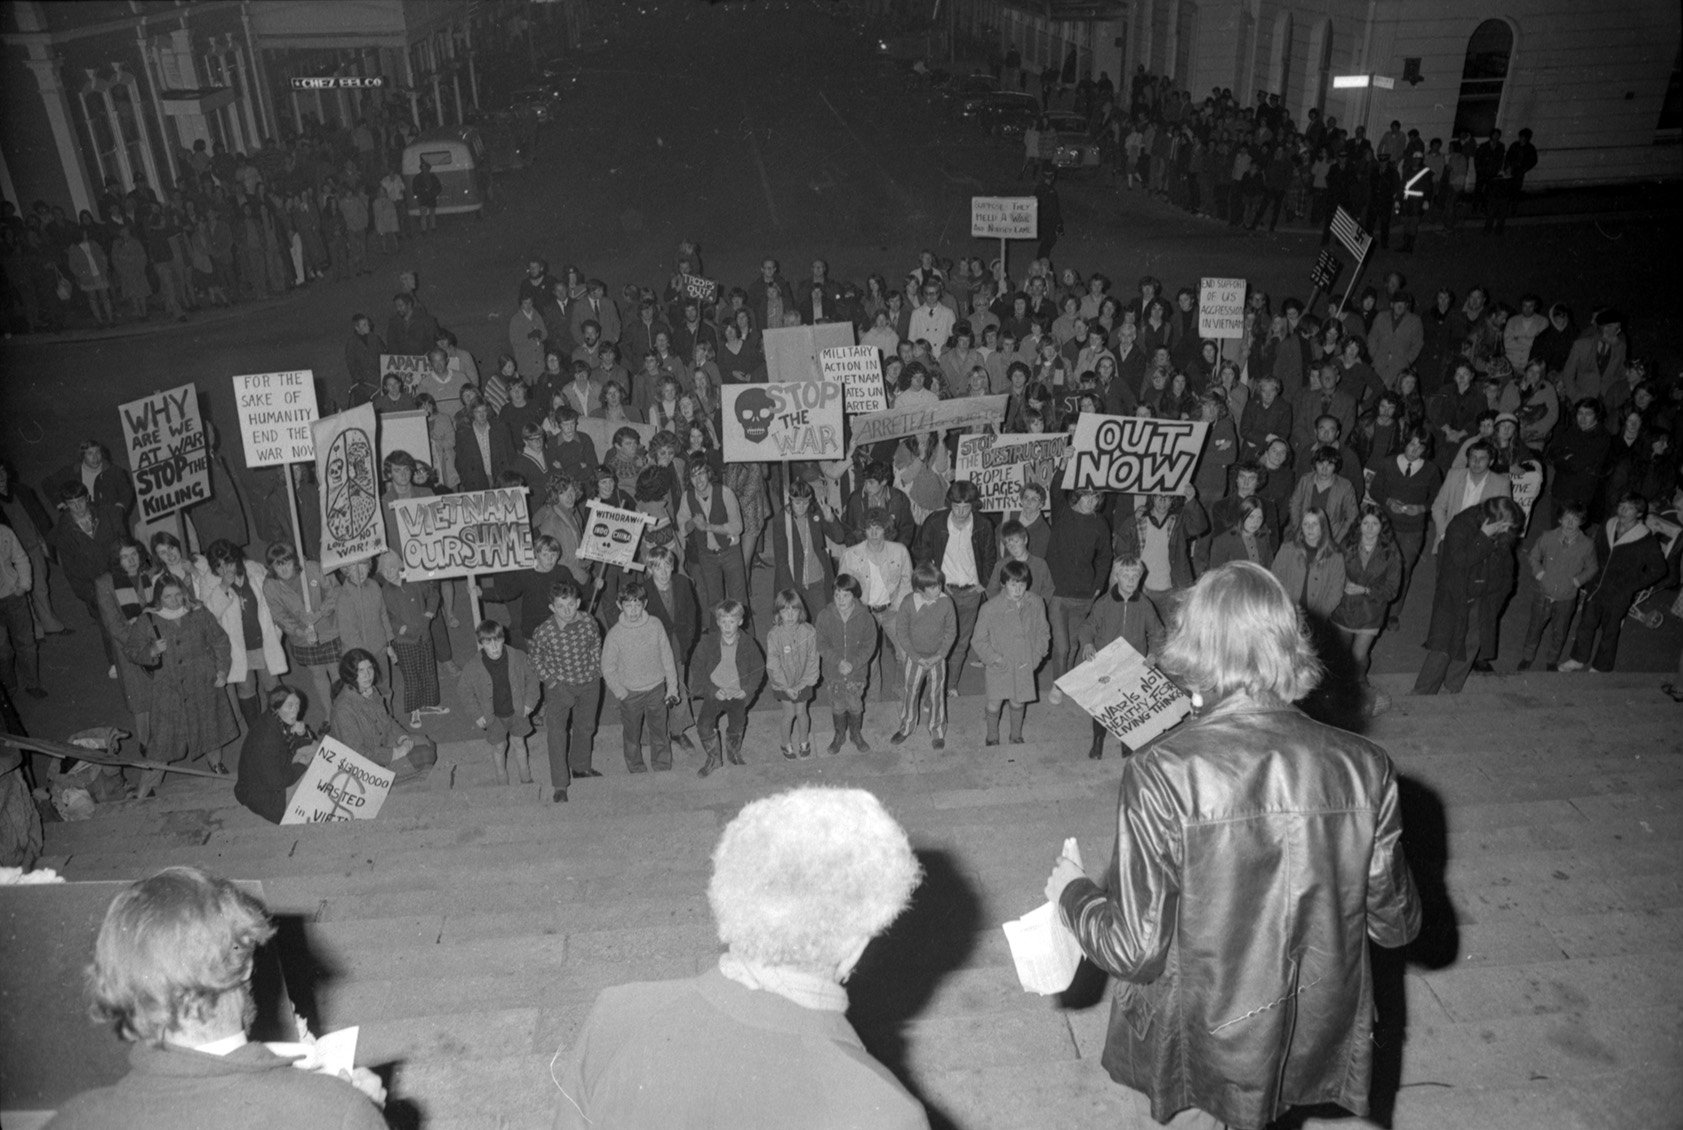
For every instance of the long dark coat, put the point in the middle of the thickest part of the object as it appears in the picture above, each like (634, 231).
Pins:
(1476, 574)
(190, 713)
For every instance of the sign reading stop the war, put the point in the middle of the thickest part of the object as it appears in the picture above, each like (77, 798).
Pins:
(1004, 217)
(276, 411)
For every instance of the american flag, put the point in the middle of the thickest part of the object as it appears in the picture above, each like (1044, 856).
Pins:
(1350, 234)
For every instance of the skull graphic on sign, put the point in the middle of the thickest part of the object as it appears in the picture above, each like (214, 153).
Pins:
(754, 411)
(352, 487)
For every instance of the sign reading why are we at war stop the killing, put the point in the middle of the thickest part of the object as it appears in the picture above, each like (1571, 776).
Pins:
(776, 423)
(1134, 454)
(458, 535)
(166, 445)
(276, 411)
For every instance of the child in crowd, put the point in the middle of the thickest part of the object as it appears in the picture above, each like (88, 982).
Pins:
(725, 673)
(641, 674)
(1563, 561)
(360, 606)
(1122, 610)
(500, 690)
(792, 669)
(1012, 637)
(847, 638)
(410, 609)
(567, 654)
(1015, 538)
(926, 626)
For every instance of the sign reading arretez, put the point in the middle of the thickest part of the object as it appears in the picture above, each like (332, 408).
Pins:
(1004, 217)
(276, 411)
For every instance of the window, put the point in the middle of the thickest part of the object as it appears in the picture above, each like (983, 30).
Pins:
(1482, 78)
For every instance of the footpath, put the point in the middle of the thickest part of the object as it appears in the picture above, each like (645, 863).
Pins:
(468, 929)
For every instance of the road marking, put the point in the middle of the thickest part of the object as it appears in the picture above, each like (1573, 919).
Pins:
(765, 181)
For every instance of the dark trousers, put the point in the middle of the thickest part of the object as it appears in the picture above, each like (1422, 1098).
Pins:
(734, 711)
(569, 712)
(1410, 543)
(966, 603)
(1440, 671)
(17, 642)
(1067, 613)
(637, 709)
(1604, 616)
(720, 575)
(1546, 626)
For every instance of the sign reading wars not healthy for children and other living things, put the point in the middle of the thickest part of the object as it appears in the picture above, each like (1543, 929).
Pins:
(458, 535)
(1134, 455)
(276, 411)
(999, 465)
(774, 423)
(168, 450)
(1126, 695)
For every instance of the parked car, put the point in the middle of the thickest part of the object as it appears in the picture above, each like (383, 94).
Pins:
(972, 90)
(1065, 142)
(1007, 113)
(540, 101)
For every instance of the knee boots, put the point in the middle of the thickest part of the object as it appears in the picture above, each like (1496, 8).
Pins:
(710, 743)
(733, 747)
(840, 721)
(847, 725)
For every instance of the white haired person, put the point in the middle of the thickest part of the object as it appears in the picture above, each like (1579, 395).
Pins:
(802, 881)
(172, 971)
(1250, 813)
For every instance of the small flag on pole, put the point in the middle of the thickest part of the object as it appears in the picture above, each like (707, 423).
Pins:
(1350, 234)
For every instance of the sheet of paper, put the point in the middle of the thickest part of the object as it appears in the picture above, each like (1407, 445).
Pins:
(329, 1054)
(1045, 952)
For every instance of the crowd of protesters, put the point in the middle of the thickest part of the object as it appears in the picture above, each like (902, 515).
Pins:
(1491, 432)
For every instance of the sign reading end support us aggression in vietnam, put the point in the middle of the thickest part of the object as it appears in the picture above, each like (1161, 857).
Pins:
(1134, 455)
(166, 445)
(457, 535)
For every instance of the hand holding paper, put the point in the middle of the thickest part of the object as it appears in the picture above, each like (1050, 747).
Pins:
(1046, 954)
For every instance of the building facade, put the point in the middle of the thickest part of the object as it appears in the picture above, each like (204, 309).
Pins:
(1598, 84)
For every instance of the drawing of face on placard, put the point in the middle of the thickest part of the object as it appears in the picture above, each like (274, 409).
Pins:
(352, 488)
(755, 409)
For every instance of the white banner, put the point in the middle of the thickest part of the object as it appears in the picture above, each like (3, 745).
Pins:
(1134, 455)
(611, 535)
(339, 784)
(459, 535)
(775, 423)
(167, 450)
(276, 411)
(1004, 217)
(348, 471)
(941, 416)
(859, 370)
(1221, 308)
(1125, 694)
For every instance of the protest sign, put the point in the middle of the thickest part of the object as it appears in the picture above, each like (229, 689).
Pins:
(859, 369)
(611, 534)
(943, 415)
(1004, 217)
(1000, 465)
(706, 290)
(792, 351)
(458, 535)
(276, 411)
(405, 431)
(1221, 308)
(1125, 694)
(775, 423)
(167, 449)
(1134, 455)
(352, 528)
(601, 433)
(338, 784)
(1526, 483)
(406, 365)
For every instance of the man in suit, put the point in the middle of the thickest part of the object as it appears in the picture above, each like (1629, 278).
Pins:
(961, 543)
(770, 297)
(1130, 361)
(596, 307)
(1596, 360)
(1466, 487)
(1324, 397)
(1396, 339)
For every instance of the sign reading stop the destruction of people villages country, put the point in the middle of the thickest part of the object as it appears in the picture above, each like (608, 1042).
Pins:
(1221, 308)
(859, 369)
(406, 365)
(457, 535)
(1000, 465)
(1004, 217)
(276, 411)
(1125, 694)
(338, 784)
(776, 423)
(611, 535)
(941, 416)
(166, 445)
(348, 471)
(1134, 455)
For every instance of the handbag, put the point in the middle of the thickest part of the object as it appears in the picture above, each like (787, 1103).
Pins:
(63, 288)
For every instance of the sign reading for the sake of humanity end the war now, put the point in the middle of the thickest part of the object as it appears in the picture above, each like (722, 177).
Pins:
(999, 465)
(457, 535)
(167, 448)
(859, 369)
(276, 411)
(1134, 455)
(774, 423)
(1126, 695)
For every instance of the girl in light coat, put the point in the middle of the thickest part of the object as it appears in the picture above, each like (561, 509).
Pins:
(1012, 637)
(231, 589)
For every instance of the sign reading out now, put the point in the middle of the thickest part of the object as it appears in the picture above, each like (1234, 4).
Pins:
(1004, 217)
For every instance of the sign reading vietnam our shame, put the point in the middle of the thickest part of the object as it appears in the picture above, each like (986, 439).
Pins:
(457, 535)
(1134, 455)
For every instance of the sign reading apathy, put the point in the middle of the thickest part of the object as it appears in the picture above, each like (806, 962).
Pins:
(339, 784)
(1004, 217)
(457, 535)
(859, 369)
(276, 411)
(166, 445)
(943, 415)
(611, 535)
(405, 365)
(782, 422)
(1134, 455)
(999, 465)
(1221, 308)
(1125, 694)
(348, 470)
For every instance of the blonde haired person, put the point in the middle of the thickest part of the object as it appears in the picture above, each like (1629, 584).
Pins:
(802, 881)
(1251, 812)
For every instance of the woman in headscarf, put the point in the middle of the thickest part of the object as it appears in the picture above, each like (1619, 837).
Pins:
(187, 654)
